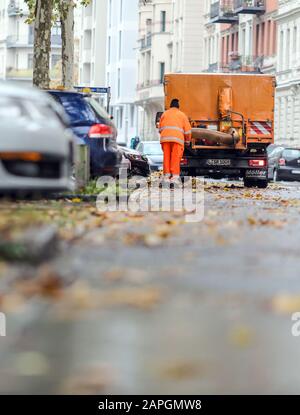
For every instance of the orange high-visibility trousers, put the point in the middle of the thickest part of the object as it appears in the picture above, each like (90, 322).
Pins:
(173, 153)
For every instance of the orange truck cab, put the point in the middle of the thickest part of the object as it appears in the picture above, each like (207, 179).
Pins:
(232, 118)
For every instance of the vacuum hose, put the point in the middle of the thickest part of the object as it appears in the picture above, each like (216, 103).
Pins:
(215, 138)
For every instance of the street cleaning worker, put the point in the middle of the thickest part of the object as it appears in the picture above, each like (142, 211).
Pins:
(175, 130)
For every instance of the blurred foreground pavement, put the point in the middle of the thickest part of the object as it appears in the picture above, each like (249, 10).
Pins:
(149, 304)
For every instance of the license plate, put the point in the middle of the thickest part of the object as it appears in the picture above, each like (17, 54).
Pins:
(296, 171)
(256, 173)
(218, 162)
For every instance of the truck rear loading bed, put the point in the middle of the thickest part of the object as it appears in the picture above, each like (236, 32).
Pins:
(232, 116)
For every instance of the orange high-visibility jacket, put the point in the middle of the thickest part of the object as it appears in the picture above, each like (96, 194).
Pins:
(174, 127)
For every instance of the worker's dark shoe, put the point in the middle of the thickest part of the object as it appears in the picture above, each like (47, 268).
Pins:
(176, 182)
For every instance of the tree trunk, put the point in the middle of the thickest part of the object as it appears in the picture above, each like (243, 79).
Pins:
(42, 43)
(67, 35)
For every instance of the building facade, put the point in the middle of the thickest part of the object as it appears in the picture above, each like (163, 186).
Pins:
(92, 50)
(288, 73)
(245, 38)
(170, 40)
(212, 35)
(16, 44)
(121, 65)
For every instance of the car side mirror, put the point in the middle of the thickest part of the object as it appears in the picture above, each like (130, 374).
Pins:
(157, 118)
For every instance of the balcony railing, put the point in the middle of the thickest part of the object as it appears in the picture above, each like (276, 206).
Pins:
(223, 12)
(146, 42)
(250, 6)
(15, 41)
(245, 63)
(213, 67)
(149, 84)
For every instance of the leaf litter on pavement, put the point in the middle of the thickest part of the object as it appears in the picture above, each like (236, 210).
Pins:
(79, 222)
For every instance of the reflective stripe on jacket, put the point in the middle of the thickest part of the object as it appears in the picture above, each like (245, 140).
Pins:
(174, 127)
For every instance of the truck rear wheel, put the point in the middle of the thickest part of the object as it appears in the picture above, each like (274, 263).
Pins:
(261, 184)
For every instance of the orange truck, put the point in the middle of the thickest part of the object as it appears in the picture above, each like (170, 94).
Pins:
(232, 118)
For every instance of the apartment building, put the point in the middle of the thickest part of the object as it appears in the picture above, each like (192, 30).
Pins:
(288, 73)
(170, 40)
(16, 43)
(247, 35)
(92, 55)
(212, 36)
(121, 65)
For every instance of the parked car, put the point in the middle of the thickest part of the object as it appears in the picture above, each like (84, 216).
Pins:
(284, 164)
(153, 151)
(92, 126)
(36, 148)
(135, 162)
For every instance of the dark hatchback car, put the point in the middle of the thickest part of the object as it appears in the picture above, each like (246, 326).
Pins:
(135, 162)
(284, 164)
(92, 125)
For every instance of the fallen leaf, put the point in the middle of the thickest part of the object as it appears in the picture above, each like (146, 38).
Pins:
(31, 364)
(241, 336)
(180, 370)
(286, 303)
(90, 381)
(46, 284)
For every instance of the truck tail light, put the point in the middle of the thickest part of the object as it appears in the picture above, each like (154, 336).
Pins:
(281, 162)
(257, 163)
(184, 161)
(100, 131)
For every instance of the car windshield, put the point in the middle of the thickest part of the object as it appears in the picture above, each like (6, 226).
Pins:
(291, 153)
(153, 149)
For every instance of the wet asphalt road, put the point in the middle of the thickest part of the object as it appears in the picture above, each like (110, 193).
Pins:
(181, 308)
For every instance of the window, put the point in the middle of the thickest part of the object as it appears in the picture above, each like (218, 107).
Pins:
(119, 83)
(110, 12)
(291, 154)
(121, 118)
(287, 48)
(149, 26)
(30, 61)
(120, 44)
(109, 50)
(163, 21)
(54, 60)
(281, 64)
(132, 115)
(262, 39)
(295, 39)
(161, 72)
(31, 35)
(121, 10)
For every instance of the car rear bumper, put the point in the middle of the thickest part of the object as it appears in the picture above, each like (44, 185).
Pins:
(105, 162)
(288, 173)
(35, 177)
